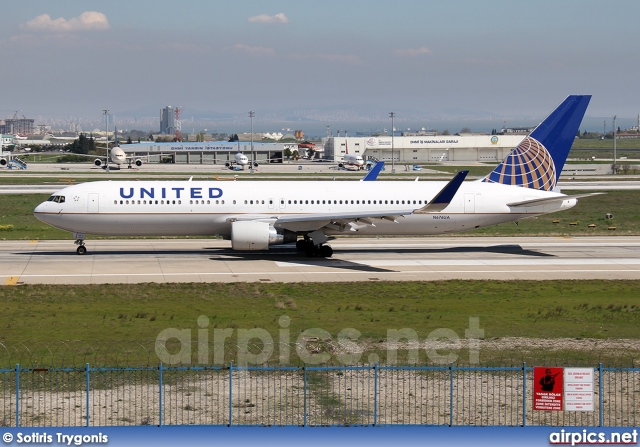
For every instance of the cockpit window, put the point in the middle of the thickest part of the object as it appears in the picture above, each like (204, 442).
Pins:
(57, 199)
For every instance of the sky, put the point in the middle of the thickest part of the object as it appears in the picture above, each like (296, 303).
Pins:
(68, 58)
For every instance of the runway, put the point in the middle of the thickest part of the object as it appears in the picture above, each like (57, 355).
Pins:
(355, 259)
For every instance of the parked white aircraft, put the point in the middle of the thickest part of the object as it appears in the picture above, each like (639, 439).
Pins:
(351, 161)
(241, 160)
(257, 214)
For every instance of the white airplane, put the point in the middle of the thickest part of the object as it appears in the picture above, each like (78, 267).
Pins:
(240, 160)
(257, 214)
(351, 160)
(118, 157)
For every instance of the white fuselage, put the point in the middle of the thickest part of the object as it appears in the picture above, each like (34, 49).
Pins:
(200, 208)
(354, 161)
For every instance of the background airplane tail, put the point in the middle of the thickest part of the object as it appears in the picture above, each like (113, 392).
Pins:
(538, 160)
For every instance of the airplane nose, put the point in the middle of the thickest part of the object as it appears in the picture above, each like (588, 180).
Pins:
(39, 211)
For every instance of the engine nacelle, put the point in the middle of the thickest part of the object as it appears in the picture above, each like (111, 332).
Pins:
(341, 165)
(254, 235)
(3, 161)
(138, 162)
(227, 164)
(97, 162)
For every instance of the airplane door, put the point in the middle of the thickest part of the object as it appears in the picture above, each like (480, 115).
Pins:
(469, 203)
(93, 204)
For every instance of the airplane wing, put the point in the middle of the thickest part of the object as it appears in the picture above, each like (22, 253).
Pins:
(357, 220)
(547, 200)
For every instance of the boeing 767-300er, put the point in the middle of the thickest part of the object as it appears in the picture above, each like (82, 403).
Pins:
(257, 214)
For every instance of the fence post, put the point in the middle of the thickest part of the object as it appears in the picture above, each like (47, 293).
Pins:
(600, 395)
(17, 395)
(375, 394)
(88, 388)
(160, 378)
(450, 394)
(524, 394)
(230, 394)
(304, 398)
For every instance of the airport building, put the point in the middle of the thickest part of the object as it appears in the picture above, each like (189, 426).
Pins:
(424, 148)
(403, 149)
(209, 152)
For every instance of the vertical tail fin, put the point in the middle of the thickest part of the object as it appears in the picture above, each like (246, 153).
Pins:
(538, 160)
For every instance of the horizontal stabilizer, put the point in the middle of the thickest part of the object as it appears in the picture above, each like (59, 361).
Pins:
(547, 200)
(445, 196)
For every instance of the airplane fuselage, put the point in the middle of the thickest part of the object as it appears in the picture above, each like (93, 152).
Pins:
(201, 208)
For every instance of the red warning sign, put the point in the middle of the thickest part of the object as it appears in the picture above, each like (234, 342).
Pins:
(548, 388)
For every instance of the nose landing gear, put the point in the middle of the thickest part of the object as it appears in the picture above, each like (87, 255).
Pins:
(81, 250)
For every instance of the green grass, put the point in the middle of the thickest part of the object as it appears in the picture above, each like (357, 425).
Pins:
(623, 205)
(120, 323)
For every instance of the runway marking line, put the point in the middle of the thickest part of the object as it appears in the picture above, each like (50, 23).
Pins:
(11, 280)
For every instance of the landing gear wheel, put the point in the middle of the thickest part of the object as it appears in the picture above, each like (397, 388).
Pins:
(322, 251)
(325, 251)
(81, 250)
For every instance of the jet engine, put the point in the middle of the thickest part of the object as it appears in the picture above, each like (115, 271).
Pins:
(138, 162)
(254, 235)
(341, 165)
(3, 161)
(97, 162)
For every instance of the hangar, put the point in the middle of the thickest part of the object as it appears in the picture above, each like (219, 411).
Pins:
(424, 148)
(208, 152)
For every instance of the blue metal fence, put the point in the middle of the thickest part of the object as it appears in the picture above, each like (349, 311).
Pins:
(301, 396)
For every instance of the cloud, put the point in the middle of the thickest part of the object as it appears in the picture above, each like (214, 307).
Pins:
(265, 18)
(261, 51)
(87, 21)
(412, 52)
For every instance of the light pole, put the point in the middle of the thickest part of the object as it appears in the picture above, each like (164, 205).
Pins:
(251, 115)
(106, 120)
(614, 145)
(393, 167)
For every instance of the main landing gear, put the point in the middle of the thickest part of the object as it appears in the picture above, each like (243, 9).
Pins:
(314, 250)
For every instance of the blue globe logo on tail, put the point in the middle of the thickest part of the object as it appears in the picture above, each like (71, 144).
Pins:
(529, 165)
(538, 160)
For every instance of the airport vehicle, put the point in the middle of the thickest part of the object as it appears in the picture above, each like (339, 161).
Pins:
(257, 214)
